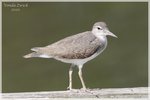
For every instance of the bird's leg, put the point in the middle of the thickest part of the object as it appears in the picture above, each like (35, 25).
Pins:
(80, 76)
(70, 77)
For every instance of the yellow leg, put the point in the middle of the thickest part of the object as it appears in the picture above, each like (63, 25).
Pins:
(70, 77)
(80, 76)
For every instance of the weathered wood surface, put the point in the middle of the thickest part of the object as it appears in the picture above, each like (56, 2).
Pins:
(138, 92)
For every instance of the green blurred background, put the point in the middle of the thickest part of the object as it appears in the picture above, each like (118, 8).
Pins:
(124, 63)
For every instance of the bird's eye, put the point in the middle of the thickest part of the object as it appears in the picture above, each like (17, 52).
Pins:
(99, 28)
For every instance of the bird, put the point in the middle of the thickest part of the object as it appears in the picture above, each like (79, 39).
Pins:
(76, 49)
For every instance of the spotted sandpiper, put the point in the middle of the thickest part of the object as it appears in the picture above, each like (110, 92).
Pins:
(76, 49)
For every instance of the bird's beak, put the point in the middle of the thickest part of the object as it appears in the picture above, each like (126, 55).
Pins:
(111, 34)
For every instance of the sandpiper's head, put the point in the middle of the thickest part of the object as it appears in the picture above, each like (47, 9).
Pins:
(100, 29)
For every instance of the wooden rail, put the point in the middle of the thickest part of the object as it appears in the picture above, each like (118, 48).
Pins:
(137, 92)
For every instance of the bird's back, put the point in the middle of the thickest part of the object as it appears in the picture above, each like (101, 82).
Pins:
(78, 46)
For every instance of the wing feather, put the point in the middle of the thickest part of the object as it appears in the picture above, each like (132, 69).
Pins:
(78, 46)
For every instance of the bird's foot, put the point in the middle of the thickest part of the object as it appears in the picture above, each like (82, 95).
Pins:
(85, 89)
(69, 88)
(73, 90)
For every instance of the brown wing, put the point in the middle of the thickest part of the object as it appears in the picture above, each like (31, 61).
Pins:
(78, 46)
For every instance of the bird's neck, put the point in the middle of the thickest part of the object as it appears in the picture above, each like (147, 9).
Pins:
(103, 38)
(100, 36)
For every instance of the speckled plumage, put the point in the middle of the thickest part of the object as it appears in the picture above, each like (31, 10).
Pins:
(78, 46)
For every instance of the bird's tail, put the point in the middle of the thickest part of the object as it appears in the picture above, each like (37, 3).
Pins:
(33, 54)
(37, 53)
